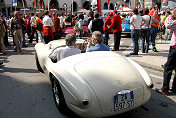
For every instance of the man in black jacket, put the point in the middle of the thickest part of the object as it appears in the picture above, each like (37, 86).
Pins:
(96, 24)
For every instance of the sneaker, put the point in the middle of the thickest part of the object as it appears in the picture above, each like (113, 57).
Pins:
(171, 90)
(155, 50)
(1, 63)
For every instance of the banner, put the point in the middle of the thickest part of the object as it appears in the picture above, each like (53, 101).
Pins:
(108, 1)
(35, 3)
(14, 2)
(42, 5)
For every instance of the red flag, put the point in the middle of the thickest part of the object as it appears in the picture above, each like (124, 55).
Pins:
(108, 1)
(43, 6)
(35, 4)
(99, 6)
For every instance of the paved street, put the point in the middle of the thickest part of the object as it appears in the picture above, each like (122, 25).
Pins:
(26, 93)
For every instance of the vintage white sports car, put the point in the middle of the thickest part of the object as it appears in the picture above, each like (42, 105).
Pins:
(94, 84)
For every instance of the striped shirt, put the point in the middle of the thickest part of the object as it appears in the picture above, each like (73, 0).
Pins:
(170, 23)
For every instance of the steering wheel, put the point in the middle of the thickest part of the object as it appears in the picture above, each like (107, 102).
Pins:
(84, 46)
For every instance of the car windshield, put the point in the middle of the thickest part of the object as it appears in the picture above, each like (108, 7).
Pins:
(126, 22)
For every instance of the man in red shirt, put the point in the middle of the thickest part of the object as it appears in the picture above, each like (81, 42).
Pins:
(154, 27)
(57, 26)
(106, 30)
(117, 30)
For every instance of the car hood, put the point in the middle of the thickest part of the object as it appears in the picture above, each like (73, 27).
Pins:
(107, 75)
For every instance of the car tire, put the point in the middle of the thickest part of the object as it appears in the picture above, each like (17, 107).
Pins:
(129, 35)
(58, 95)
(38, 64)
(60, 100)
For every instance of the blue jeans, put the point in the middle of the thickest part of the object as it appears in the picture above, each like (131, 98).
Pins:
(168, 34)
(135, 34)
(153, 36)
(145, 47)
(24, 40)
(145, 39)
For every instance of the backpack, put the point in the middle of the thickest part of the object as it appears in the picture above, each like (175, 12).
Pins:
(39, 26)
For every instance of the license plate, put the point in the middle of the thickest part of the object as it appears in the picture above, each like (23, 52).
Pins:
(124, 99)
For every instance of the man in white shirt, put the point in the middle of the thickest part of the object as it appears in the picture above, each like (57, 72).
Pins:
(62, 20)
(62, 52)
(47, 21)
(146, 31)
(32, 21)
(136, 22)
(47, 30)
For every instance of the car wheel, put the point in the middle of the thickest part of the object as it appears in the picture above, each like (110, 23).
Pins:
(59, 99)
(129, 35)
(58, 95)
(38, 64)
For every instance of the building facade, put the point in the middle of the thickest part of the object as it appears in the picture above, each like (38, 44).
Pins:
(7, 8)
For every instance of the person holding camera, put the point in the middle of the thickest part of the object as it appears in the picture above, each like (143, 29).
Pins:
(17, 24)
(97, 41)
(154, 27)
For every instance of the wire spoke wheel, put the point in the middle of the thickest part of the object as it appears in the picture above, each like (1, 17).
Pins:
(56, 93)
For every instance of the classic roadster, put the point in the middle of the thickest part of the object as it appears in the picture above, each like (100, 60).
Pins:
(94, 84)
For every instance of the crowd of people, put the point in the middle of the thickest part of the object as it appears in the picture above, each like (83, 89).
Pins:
(145, 24)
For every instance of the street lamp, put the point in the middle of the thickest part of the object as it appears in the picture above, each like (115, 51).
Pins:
(48, 5)
(65, 6)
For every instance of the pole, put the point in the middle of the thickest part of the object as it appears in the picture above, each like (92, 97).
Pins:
(39, 5)
(72, 6)
(48, 5)
(89, 4)
(99, 6)
(23, 6)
